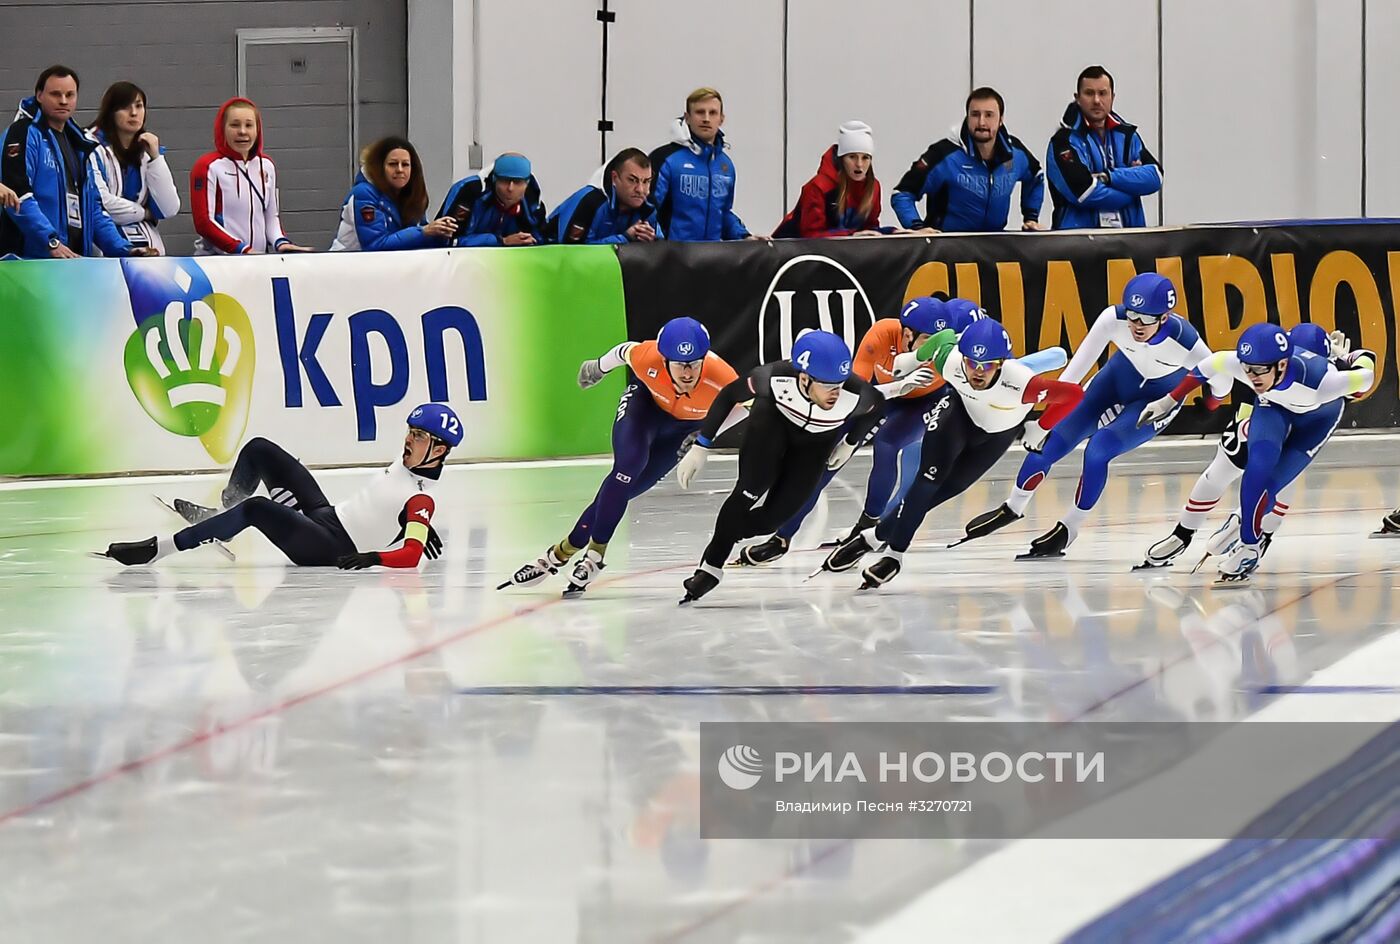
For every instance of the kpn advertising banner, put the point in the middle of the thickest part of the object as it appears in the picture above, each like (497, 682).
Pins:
(172, 364)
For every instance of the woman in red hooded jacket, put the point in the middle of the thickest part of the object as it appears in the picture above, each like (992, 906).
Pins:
(233, 189)
(843, 199)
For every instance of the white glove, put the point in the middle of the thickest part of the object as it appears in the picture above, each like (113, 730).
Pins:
(841, 454)
(898, 388)
(905, 364)
(692, 462)
(1157, 409)
(590, 373)
(1033, 435)
(1339, 345)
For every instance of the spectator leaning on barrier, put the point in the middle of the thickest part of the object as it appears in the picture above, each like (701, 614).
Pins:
(138, 190)
(233, 190)
(613, 208)
(843, 199)
(384, 209)
(44, 161)
(504, 210)
(1098, 165)
(967, 178)
(693, 186)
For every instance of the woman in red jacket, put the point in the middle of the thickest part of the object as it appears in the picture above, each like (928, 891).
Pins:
(843, 199)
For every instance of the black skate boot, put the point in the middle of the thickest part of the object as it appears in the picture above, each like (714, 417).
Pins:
(1051, 544)
(881, 572)
(863, 523)
(132, 553)
(705, 579)
(849, 553)
(1390, 526)
(191, 512)
(765, 552)
(987, 522)
(1168, 549)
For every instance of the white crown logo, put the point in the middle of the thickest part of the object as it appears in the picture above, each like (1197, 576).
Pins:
(180, 386)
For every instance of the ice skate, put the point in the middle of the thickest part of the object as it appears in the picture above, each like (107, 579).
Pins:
(536, 571)
(1390, 526)
(986, 523)
(764, 552)
(584, 572)
(1049, 545)
(705, 579)
(190, 513)
(131, 553)
(881, 572)
(1239, 565)
(1222, 542)
(1168, 549)
(849, 553)
(862, 523)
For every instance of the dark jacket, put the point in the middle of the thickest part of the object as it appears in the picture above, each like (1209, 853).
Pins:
(370, 221)
(1077, 153)
(966, 194)
(693, 188)
(593, 215)
(480, 219)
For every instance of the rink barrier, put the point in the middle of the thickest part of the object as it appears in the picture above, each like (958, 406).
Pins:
(1046, 288)
(111, 366)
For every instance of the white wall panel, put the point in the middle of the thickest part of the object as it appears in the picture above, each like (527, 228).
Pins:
(660, 51)
(1382, 93)
(1335, 146)
(838, 72)
(1032, 52)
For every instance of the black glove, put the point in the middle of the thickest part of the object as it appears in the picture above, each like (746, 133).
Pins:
(434, 546)
(358, 561)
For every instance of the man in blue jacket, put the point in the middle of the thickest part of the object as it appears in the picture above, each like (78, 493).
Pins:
(504, 210)
(968, 177)
(613, 208)
(44, 160)
(694, 186)
(1099, 168)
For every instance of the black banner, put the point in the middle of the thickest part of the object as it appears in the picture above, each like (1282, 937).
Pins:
(1046, 288)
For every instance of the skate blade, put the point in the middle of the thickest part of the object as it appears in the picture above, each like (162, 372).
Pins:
(1028, 556)
(1232, 582)
(219, 546)
(222, 548)
(962, 540)
(1148, 565)
(100, 555)
(1384, 535)
(1200, 563)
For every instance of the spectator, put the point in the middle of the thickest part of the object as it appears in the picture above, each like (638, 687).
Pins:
(843, 199)
(505, 210)
(45, 162)
(129, 166)
(614, 208)
(1099, 168)
(233, 189)
(694, 185)
(967, 178)
(388, 191)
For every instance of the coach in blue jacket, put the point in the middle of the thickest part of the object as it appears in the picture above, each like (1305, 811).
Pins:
(44, 160)
(694, 177)
(613, 208)
(1099, 168)
(503, 210)
(967, 178)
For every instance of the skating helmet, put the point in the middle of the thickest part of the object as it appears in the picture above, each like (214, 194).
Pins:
(1310, 337)
(1149, 294)
(985, 341)
(822, 356)
(1263, 344)
(925, 315)
(683, 339)
(962, 312)
(440, 420)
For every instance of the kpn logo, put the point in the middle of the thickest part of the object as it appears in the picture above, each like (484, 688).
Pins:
(190, 360)
(740, 767)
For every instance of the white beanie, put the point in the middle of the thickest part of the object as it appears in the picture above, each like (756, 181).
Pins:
(855, 138)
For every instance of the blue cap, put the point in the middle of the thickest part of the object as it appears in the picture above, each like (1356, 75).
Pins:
(985, 341)
(440, 420)
(962, 312)
(1263, 344)
(683, 339)
(924, 315)
(1149, 294)
(1310, 337)
(822, 356)
(511, 167)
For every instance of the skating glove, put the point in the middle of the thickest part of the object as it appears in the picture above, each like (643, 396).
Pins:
(691, 463)
(590, 373)
(1033, 435)
(434, 546)
(358, 561)
(1338, 345)
(1157, 409)
(898, 388)
(905, 364)
(841, 454)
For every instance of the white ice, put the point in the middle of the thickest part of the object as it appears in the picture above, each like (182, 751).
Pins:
(214, 751)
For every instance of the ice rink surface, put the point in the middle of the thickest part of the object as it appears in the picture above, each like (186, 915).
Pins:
(214, 751)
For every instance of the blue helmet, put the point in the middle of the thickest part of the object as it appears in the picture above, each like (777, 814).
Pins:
(1150, 294)
(1263, 344)
(924, 315)
(683, 339)
(962, 312)
(822, 356)
(439, 419)
(985, 340)
(1310, 337)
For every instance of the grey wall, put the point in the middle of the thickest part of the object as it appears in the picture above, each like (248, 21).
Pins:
(184, 54)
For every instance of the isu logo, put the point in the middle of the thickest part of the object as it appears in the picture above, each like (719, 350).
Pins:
(1246, 349)
(685, 348)
(979, 350)
(811, 291)
(1136, 302)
